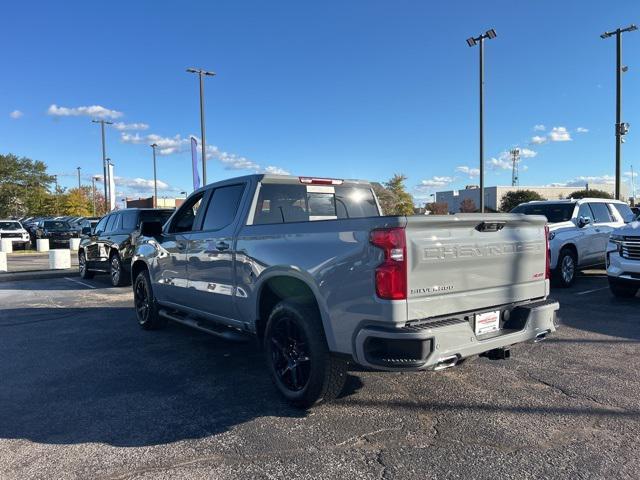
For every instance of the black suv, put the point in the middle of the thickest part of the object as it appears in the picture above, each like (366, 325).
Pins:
(108, 247)
(58, 232)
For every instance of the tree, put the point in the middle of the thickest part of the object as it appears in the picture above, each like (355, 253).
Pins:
(515, 197)
(591, 193)
(468, 206)
(403, 201)
(438, 208)
(76, 202)
(24, 185)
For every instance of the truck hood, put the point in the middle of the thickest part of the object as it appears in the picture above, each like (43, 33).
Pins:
(555, 227)
(629, 230)
(20, 230)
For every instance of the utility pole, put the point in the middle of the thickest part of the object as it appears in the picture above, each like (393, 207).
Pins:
(515, 159)
(93, 196)
(621, 129)
(155, 179)
(102, 123)
(55, 177)
(201, 74)
(79, 185)
(490, 34)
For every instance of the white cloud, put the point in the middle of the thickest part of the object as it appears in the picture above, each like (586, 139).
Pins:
(539, 128)
(582, 130)
(434, 182)
(130, 126)
(91, 111)
(472, 172)
(527, 153)
(500, 164)
(16, 114)
(559, 134)
(582, 180)
(538, 140)
(276, 170)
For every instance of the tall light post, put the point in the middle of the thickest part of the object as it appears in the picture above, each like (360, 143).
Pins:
(79, 185)
(201, 74)
(155, 179)
(479, 40)
(621, 129)
(102, 123)
(93, 189)
(55, 177)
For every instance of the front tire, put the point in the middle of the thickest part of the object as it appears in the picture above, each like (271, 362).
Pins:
(116, 271)
(565, 273)
(147, 311)
(85, 273)
(302, 368)
(622, 291)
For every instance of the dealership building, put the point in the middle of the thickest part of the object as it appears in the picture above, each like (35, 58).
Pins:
(493, 195)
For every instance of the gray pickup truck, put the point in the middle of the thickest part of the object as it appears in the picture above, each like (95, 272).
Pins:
(313, 269)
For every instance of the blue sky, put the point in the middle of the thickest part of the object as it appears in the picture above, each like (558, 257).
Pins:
(358, 89)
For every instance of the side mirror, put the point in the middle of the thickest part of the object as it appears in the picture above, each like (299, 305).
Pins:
(583, 221)
(151, 229)
(86, 231)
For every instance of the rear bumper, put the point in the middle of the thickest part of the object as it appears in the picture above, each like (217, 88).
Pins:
(430, 345)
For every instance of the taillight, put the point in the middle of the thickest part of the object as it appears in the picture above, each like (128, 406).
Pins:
(391, 275)
(547, 273)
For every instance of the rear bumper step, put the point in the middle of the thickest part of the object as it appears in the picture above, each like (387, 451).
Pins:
(439, 344)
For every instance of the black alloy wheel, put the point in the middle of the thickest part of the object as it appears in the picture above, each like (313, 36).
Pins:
(289, 354)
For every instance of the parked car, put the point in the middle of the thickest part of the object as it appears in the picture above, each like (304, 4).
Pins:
(623, 260)
(108, 247)
(87, 225)
(578, 231)
(13, 230)
(58, 232)
(310, 267)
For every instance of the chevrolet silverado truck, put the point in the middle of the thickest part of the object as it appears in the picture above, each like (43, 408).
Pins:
(312, 268)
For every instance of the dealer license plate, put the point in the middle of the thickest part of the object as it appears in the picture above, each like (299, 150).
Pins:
(487, 322)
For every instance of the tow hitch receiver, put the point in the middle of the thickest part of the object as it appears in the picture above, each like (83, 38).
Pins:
(497, 354)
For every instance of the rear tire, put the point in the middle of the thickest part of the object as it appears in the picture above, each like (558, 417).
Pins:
(302, 368)
(145, 304)
(85, 273)
(565, 272)
(622, 291)
(117, 272)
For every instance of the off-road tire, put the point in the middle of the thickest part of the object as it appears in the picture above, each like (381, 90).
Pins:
(326, 372)
(148, 319)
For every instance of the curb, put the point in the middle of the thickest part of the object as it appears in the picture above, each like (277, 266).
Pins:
(38, 275)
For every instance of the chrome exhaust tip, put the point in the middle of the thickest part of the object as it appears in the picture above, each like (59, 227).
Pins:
(540, 337)
(446, 362)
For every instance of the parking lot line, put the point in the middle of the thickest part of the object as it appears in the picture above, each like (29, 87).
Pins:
(78, 281)
(592, 290)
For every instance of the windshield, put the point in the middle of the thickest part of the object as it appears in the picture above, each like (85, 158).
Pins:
(10, 226)
(56, 225)
(555, 212)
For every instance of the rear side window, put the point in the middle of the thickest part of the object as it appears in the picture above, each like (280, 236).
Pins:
(625, 212)
(129, 220)
(223, 207)
(601, 213)
(278, 203)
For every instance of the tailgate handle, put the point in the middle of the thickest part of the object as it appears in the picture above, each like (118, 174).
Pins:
(490, 226)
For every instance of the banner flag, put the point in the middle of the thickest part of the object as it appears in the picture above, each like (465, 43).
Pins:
(194, 163)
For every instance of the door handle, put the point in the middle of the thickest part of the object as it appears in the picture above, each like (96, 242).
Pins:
(222, 246)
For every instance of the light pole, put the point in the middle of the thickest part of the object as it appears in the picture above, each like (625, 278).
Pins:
(93, 188)
(490, 34)
(201, 74)
(621, 128)
(78, 178)
(55, 177)
(155, 179)
(102, 123)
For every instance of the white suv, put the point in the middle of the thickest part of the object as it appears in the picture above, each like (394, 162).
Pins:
(578, 231)
(623, 260)
(14, 231)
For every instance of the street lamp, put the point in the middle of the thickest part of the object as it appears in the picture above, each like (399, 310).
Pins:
(79, 185)
(621, 128)
(155, 180)
(490, 34)
(93, 188)
(102, 123)
(201, 74)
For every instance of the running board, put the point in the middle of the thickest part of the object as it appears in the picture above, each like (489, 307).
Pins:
(226, 333)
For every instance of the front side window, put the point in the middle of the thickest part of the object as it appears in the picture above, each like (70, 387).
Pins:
(101, 225)
(129, 220)
(585, 211)
(601, 213)
(185, 218)
(281, 203)
(111, 224)
(223, 207)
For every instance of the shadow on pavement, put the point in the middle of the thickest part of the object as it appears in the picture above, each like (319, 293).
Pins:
(76, 375)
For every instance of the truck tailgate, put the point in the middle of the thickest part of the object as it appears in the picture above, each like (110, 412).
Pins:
(468, 262)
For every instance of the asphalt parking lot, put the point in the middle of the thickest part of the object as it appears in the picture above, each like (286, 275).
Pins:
(84, 393)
